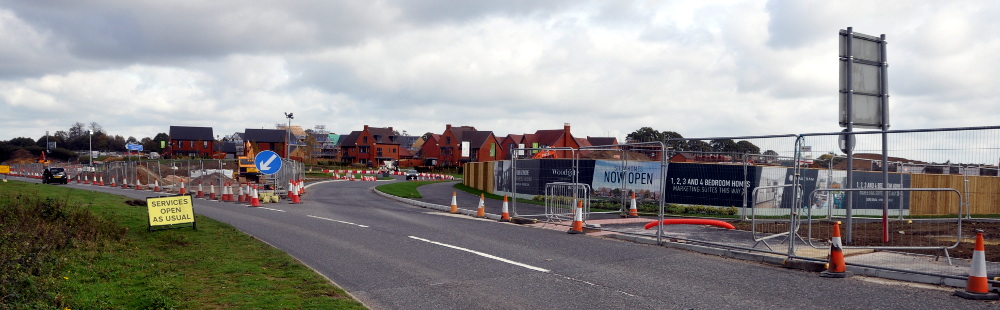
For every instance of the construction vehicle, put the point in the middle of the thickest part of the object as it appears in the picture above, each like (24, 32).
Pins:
(545, 154)
(247, 168)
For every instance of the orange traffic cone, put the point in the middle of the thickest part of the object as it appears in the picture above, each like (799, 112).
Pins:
(156, 187)
(102, 181)
(201, 192)
(836, 268)
(504, 214)
(633, 210)
(138, 184)
(254, 199)
(577, 227)
(977, 287)
(211, 192)
(183, 190)
(240, 198)
(481, 211)
(113, 184)
(293, 193)
(86, 179)
(454, 203)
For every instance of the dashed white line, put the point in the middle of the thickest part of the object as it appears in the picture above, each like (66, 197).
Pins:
(272, 209)
(482, 254)
(333, 220)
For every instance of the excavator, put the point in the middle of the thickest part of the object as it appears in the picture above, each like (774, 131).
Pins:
(545, 154)
(247, 169)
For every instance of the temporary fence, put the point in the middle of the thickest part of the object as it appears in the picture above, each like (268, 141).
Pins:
(170, 176)
(912, 211)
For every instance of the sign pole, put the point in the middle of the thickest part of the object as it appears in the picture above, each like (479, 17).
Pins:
(849, 202)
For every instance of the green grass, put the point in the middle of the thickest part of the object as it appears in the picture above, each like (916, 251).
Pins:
(406, 189)
(214, 267)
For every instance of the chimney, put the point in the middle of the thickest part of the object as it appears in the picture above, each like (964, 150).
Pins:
(366, 127)
(447, 127)
(566, 127)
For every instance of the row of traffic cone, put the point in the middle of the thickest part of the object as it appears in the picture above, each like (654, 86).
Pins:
(481, 210)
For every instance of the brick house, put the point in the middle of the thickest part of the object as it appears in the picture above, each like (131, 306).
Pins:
(430, 149)
(267, 140)
(483, 146)
(191, 141)
(451, 145)
(554, 138)
(370, 146)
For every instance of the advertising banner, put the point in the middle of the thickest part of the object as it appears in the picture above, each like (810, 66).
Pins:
(706, 184)
(612, 176)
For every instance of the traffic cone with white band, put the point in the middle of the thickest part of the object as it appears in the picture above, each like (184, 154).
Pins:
(633, 210)
(836, 268)
(577, 227)
(481, 211)
(454, 203)
(504, 213)
(977, 287)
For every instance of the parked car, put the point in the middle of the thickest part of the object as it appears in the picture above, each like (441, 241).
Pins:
(411, 175)
(54, 175)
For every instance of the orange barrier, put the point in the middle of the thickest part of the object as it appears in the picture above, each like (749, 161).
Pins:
(836, 268)
(689, 222)
(977, 287)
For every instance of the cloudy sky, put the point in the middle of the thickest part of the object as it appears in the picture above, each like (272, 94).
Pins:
(700, 68)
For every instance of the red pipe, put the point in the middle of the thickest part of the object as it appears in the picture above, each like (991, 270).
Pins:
(690, 222)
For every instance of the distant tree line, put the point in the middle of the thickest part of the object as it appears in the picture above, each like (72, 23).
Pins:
(677, 142)
(69, 142)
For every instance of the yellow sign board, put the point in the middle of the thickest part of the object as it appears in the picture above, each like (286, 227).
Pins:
(5, 169)
(170, 210)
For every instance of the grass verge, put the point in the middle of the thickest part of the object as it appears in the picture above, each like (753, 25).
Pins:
(405, 189)
(109, 261)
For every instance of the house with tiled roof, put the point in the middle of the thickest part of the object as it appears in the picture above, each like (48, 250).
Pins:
(267, 140)
(451, 145)
(191, 141)
(553, 138)
(370, 146)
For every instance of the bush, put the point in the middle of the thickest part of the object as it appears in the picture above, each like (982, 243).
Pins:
(33, 234)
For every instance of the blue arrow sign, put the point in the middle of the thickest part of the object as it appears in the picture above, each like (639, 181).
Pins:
(267, 162)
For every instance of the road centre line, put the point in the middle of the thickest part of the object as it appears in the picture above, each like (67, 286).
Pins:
(333, 220)
(272, 209)
(482, 254)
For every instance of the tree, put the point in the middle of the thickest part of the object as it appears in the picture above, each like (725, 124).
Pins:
(699, 146)
(309, 150)
(22, 142)
(723, 146)
(675, 140)
(746, 147)
(645, 134)
(160, 137)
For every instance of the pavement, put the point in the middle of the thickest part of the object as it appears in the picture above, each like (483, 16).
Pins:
(929, 269)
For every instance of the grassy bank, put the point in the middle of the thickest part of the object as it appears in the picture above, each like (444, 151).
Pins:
(406, 189)
(65, 248)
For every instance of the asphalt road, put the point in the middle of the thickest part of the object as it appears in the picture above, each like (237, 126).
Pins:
(394, 256)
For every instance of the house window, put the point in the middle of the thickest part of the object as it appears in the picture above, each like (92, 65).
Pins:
(192, 144)
(365, 139)
(205, 144)
(447, 140)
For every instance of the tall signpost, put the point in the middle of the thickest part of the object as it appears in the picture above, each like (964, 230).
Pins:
(864, 103)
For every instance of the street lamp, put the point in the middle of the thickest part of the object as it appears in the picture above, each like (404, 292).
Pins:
(90, 136)
(288, 132)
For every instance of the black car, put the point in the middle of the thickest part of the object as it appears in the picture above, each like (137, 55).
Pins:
(54, 175)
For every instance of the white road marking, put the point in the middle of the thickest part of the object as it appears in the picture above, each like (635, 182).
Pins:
(482, 254)
(333, 220)
(272, 209)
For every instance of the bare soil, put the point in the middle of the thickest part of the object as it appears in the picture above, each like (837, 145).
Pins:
(926, 233)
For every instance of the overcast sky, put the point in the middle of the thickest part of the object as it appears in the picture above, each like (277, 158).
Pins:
(700, 68)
